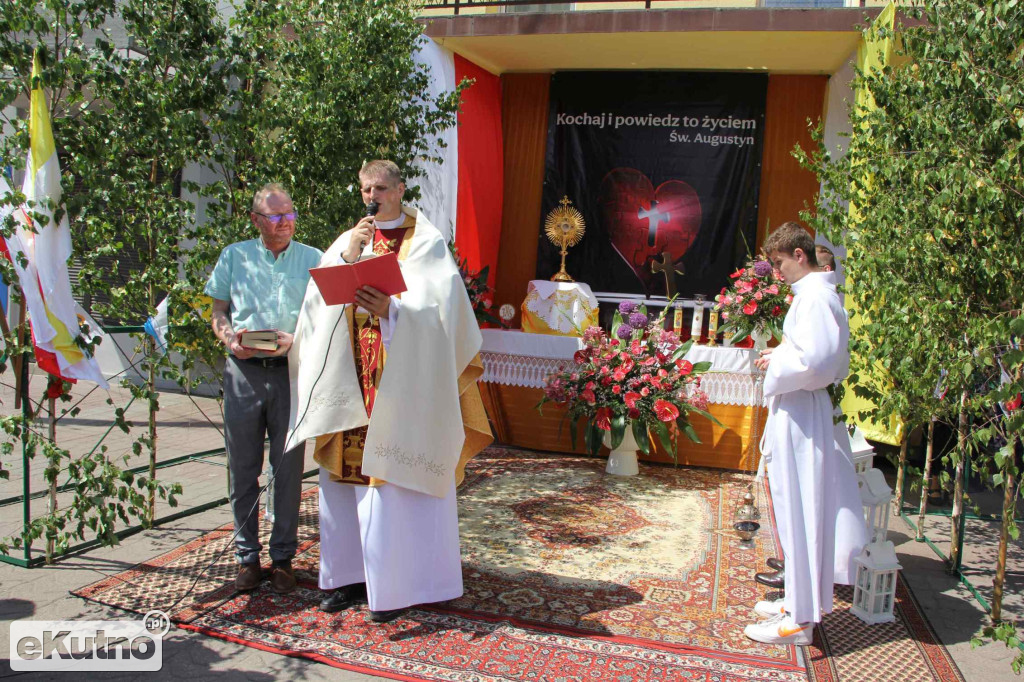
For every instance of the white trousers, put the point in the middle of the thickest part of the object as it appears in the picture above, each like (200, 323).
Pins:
(403, 544)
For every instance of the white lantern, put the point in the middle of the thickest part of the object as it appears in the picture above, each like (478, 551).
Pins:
(863, 453)
(875, 495)
(874, 592)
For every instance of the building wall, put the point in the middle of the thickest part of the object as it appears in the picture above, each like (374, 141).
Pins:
(786, 188)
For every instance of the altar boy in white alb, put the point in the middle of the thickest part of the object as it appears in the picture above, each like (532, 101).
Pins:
(387, 388)
(813, 484)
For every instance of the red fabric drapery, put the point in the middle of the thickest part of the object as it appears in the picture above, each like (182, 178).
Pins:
(481, 177)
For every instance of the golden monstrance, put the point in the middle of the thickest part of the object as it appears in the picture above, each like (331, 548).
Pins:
(564, 226)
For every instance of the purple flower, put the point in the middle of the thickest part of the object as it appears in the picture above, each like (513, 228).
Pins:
(624, 332)
(762, 268)
(638, 320)
(626, 307)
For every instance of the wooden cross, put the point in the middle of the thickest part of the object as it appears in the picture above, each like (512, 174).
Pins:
(668, 268)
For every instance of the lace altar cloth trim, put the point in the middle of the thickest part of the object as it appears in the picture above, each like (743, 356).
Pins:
(723, 388)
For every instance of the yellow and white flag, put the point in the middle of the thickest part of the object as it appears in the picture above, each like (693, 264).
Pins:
(47, 247)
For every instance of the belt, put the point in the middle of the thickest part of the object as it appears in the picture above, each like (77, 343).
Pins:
(280, 361)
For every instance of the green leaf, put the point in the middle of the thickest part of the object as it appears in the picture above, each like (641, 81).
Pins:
(684, 426)
(643, 441)
(707, 415)
(665, 438)
(618, 430)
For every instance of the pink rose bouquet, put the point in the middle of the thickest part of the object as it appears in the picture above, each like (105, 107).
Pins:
(758, 299)
(635, 378)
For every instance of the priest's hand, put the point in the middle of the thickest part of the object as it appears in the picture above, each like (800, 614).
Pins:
(762, 362)
(284, 344)
(362, 234)
(374, 301)
(236, 348)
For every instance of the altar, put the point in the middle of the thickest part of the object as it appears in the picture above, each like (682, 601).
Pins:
(516, 363)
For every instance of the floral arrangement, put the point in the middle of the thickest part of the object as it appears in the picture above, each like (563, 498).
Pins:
(481, 296)
(635, 378)
(758, 299)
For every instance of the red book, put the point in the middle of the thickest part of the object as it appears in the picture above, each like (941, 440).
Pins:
(338, 283)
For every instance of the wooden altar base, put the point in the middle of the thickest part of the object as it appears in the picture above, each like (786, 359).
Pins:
(516, 421)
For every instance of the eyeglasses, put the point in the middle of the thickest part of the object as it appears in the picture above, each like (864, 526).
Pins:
(276, 218)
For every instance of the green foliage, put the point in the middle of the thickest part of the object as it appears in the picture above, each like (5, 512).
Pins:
(935, 258)
(1005, 632)
(165, 136)
(935, 264)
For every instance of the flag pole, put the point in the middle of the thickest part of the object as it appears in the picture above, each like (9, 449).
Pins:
(18, 362)
(51, 507)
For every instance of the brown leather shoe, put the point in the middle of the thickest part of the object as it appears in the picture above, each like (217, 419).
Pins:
(282, 577)
(249, 576)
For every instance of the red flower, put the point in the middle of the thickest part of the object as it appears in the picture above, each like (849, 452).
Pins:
(649, 361)
(627, 364)
(750, 308)
(665, 410)
(685, 367)
(739, 273)
(603, 418)
(1014, 403)
(619, 374)
(776, 311)
(581, 357)
(616, 389)
(631, 399)
(645, 391)
(633, 413)
(589, 396)
(634, 347)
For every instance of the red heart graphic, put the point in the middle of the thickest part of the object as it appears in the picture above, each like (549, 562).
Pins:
(643, 222)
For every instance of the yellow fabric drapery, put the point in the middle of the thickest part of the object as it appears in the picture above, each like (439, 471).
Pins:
(874, 53)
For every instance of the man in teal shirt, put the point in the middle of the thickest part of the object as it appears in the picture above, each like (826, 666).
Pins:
(258, 285)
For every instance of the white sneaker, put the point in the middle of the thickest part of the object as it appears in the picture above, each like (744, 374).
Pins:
(770, 609)
(781, 630)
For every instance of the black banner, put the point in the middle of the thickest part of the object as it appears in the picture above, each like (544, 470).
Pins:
(657, 162)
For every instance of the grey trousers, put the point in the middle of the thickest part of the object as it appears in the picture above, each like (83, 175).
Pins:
(256, 406)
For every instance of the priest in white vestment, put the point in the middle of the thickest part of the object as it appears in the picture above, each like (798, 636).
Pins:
(387, 388)
(813, 484)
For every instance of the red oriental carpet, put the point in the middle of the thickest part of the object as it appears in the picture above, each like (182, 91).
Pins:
(569, 574)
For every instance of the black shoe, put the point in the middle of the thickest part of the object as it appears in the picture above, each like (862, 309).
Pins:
(386, 616)
(777, 564)
(776, 579)
(343, 597)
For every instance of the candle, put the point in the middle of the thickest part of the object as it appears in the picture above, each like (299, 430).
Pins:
(697, 323)
(677, 318)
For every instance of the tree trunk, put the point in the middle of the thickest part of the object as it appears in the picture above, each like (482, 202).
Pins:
(152, 361)
(925, 478)
(956, 519)
(901, 473)
(1009, 500)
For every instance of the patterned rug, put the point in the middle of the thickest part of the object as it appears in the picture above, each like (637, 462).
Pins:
(569, 574)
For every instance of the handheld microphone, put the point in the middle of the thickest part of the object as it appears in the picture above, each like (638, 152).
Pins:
(371, 210)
